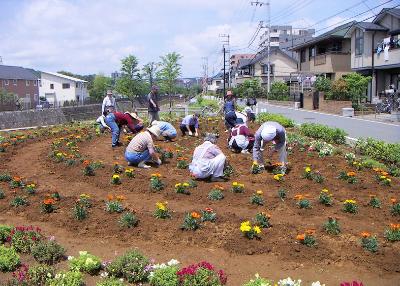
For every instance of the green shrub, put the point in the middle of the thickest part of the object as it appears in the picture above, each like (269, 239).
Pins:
(279, 91)
(5, 232)
(85, 262)
(48, 252)
(265, 116)
(24, 237)
(388, 153)
(371, 163)
(130, 266)
(111, 281)
(258, 281)
(339, 91)
(319, 131)
(5, 177)
(40, 274)
(67, 278)
(323, 84)
(166, 276)
(128, 220)
(9, 259)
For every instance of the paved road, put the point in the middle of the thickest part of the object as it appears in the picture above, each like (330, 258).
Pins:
(355, 127)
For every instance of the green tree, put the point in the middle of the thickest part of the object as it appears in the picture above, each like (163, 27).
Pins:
(322, 84)
(100, 85)
(169, 73)
(130, 83)
(279, 91)
(149, 71)
(249, 88)
(357, 86)
(6, 97)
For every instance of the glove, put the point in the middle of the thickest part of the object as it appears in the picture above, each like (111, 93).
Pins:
(159, 162)
(190, 133)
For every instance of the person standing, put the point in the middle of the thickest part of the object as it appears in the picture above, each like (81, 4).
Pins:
(190, 123)
(153, 108)
(115, 120)
(141, 148)
(229, 111)
(109, 103)
(273, 132)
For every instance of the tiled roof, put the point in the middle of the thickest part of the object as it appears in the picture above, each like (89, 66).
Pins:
(13, 72)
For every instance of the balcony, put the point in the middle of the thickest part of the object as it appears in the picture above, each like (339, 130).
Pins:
(320, 60)
(394, 58)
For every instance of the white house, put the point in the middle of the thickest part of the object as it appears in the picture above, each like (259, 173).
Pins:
(216, 83)
(58, 88)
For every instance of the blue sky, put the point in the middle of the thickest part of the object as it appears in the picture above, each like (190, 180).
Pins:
(91, 36)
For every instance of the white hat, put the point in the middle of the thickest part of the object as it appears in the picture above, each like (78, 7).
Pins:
(247, 109)
(133, 115)
(155, 130)
(268, 133)
(155, 122)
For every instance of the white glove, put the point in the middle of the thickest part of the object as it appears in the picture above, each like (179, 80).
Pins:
(159, 162)
(190, 133)
(197, 134)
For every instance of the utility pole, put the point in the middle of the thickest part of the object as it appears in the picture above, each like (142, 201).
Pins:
(225, 43)
(205, 75)
(1, 60)
(258, 3)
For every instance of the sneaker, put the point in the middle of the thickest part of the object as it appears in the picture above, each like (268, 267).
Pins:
(143, 165)
(217, 179)
(245, 152)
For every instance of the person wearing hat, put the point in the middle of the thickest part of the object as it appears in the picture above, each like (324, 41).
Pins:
(101, 123)
(115, 120)
(109, 103)
(273, 132)
(190, 124)
(250, 114)
(208, 160)
(167, 130)
(241, 139)
(141, 149)
(229, 111)
(153, 108)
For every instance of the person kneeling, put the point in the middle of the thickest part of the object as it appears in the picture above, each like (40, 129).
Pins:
(167, 130)
(141, 148)
(208, 160)
(190, 124)
(241, 139)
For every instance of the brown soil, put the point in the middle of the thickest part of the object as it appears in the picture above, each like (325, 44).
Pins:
(276, 255)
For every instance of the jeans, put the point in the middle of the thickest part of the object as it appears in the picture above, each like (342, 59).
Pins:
(184, 129)
(153, 115)
(136, 158)
(169, 134)
(115, 131)
(230, 119)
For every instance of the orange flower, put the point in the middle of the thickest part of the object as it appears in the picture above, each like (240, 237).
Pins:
(86, 162)
(300, 237)
(16, 179)
(120, 198)
(393, 201)
(365, 234)
(110, 197)
(395, 227)
(49, 201)
(384, 173)
(351, 174)
(377, 169)
(209, 210)
(299, 197)
(218, 187)
(195, 215)
(266, 214)
(310, 231)
(277, 164)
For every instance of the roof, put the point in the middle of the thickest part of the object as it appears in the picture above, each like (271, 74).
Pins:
(219, 75)
(13, 72)
(65, 76)
(262, 55)
(338, 32)
(365, 26)
(392, 11)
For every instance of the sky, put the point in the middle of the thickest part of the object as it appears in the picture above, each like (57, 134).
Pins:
(92, 36)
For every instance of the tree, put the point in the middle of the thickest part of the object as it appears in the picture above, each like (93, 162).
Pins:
(169, 73)
(279, 91)
(249, 88)
(357, 87)
(149, 72)
(130, 84)
(100, 85)
(6, 96)
(322, 84)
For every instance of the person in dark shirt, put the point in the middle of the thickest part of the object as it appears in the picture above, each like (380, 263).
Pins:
(229, 111)
(153, 109)
(241, 138)
(115, 120)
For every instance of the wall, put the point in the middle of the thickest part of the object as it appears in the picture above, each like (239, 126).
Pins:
(22, 90)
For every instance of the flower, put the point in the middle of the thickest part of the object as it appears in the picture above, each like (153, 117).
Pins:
(393, 201)
(259, 192)
(278, 177)
(365, 234)
(161, 206)
(299, 197)
(349, 202)
(310, 231)
(195, 215)
(186, 184)
(209, 210)
(300, 237)
(245, 226)
(325, 191)
(49, 201)
(234, 184)
(110, 197)
(257, 229)
(307, 169)
(178, 185)
(395, 227)
(157, 175)
(115, 176)
(351, 174)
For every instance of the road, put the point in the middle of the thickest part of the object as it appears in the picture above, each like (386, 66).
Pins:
(356, 128)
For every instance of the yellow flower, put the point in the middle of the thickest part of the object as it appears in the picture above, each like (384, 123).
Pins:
(186, 184)
(115, 176)
(349, 202)
(307, 169)
(278, 177)
(235, 184)
(382, 177)
(257, 229)
(245, 226)
(388, 179)
(325, 191)
(259, 192)
(161, 206)
(178, 185)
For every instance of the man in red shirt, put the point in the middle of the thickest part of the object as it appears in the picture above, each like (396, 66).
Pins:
(115, 120)
(241, 139)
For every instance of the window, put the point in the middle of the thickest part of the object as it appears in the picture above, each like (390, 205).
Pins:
(359, 42)
(77, 85)
(6, 82)
(28, 83)
(51, 85)
(15, 82)
(265, 69)
(66, 85)
(303, 56)
(34, 83)
(311, 53)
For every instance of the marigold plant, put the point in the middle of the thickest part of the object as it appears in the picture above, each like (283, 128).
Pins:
(393, 232)
(350, 206)
(256, 168)
(130, 173)
(307, 238)
(369, 242)
(257, 199)
(115, 179)
(155, 182)
(182, 163)
(162, 211)
(48, 205)
(208, 214)
(325, 197)
(250, 231)
(262, 219)
(191, 221)
(182, 188)
(237, 187)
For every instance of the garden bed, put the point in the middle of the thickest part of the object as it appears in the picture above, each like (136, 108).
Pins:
(275, 255)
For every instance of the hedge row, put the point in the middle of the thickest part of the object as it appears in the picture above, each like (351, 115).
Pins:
(328, 134)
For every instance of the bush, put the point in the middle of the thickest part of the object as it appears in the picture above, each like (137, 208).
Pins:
(67, 278)
(202, 274)
(165, 277)
(22, 238)
(265, 116)
(319, 131)
(357, 87)
(40, 274)
(130, 266)
(386, 152)
(5, 232)
(85, 262)
(9, 259)
(339, 90)
(48, 252)
(259, 281)
(323, 84)
(128, 220)
(279, 91)
(111, 281)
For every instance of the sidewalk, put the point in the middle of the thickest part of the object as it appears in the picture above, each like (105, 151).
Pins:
(355, 127)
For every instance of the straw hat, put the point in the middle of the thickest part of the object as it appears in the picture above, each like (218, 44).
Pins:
(109, 92)
(155, 130)
(133, 115)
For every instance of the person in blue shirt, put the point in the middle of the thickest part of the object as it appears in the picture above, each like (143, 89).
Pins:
(190, 124)
(229, 111)
(167, 130)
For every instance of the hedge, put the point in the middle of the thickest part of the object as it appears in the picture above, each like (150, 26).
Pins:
(319, 131)
(388, 153)
(265, 116)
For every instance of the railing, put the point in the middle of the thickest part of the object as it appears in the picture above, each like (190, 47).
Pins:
(320, 60)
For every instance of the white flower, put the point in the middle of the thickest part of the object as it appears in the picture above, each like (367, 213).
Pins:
(289, 282)
(317, 284)
(82, 253)
(70, 257)
(172, 262)
(104, 274)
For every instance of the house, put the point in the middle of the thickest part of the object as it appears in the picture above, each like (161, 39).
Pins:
(375, 50)
(58, 88)
(282, 65)
(327, 54)
(22, 82)
(216, 83)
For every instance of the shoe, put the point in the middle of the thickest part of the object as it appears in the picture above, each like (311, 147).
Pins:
(245, 152)
(217, 179)
(143, 165)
